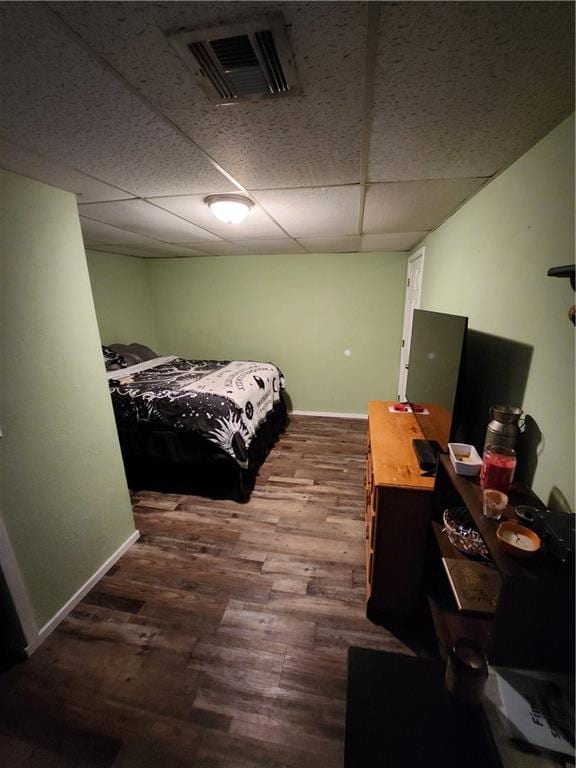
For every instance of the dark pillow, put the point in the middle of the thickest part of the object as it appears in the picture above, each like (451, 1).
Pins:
(125, 351)
(112, 360)
(142, 353)
(134, 353)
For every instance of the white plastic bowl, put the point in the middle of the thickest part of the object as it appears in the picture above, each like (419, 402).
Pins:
(465, 459)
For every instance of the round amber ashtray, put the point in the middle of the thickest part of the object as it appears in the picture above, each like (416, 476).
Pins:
(517, 540)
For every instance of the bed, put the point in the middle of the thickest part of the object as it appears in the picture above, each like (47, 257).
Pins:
(194, 426)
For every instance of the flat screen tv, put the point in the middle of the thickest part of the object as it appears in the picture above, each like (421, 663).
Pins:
(435, 372)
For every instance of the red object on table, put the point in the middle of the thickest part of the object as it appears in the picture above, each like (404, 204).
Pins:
(498, 466)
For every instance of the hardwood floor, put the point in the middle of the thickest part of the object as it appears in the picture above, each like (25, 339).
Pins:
(220, 638)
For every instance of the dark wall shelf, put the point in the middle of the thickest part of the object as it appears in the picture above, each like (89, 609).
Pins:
(533, 625)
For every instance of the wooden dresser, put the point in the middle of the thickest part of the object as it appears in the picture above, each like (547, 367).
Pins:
(398, 511)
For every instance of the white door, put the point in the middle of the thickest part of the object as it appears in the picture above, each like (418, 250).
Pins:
(411, 302)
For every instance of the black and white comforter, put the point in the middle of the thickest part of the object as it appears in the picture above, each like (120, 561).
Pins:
(222, 401)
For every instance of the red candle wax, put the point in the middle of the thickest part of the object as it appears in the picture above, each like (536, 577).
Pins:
(497, 471)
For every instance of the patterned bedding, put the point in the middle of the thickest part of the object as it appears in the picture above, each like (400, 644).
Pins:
(224, 402)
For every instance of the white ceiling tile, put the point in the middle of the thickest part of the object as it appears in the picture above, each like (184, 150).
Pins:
(105, 237)
(414, 206)
(343, 244)
(462, 89)
(96, 232)
(193, 208)
(26, 163)
(301, 140)
(146, 219)
(393, 241)
(269, 148)
(152, 251)
(317, 212)
(66, 105)
(219, 249)
(284, 245)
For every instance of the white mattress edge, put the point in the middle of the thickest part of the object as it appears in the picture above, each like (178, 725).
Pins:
(121, 373)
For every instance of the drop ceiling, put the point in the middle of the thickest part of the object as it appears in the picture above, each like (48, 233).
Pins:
(405, 110)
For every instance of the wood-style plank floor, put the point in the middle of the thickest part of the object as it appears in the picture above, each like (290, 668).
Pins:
(220, 638)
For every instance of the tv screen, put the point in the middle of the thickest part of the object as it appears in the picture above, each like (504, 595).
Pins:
(434, 371)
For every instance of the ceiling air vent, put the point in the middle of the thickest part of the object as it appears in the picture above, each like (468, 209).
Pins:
(240, 62)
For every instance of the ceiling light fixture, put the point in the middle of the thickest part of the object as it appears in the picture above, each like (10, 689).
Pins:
(231, 209)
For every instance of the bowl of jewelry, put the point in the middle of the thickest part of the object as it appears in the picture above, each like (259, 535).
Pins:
(462, 532)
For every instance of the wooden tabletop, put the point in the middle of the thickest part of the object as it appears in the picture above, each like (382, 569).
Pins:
(391, 434)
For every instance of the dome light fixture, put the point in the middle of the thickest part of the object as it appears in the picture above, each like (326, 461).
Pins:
(231, 209)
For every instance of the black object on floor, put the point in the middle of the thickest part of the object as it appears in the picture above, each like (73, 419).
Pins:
(400, 715)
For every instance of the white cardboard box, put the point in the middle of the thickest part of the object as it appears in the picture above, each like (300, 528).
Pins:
(465, 459)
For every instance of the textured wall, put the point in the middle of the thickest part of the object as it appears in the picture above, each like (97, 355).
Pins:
(64, 497)
(122, 298)
(489, 261)
(300, 311)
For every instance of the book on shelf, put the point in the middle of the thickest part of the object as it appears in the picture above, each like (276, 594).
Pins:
(475, 586)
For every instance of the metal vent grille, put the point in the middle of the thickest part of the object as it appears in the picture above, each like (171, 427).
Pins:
(241, 62)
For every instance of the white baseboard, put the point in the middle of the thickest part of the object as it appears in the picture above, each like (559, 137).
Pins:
(51, 625)
(331, 415)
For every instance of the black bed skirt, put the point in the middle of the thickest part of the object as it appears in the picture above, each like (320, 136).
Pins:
(177, 462)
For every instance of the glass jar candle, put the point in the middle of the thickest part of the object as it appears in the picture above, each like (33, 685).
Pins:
(498, 467)
(466, 672)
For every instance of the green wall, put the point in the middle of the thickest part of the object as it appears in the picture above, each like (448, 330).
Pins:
(300, 311)
(122, 297)
(489, 261)
(64, 498)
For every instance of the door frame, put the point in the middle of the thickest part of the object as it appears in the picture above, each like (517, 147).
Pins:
(17, 587)
(407, 323)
